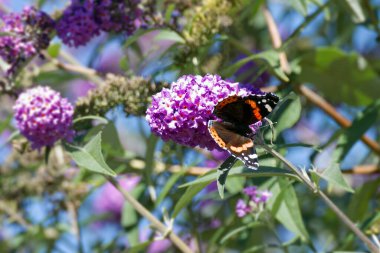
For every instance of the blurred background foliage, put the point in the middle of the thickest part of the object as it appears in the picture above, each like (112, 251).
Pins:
(328, 122)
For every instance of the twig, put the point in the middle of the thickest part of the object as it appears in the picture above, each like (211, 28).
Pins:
(91, 74)
(366, 169)
(303, 90)
(72, 209)
(15, 216)
(148, 215)
(326, 199)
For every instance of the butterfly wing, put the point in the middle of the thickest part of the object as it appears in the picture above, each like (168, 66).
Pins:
(241, 147)
(246, 110)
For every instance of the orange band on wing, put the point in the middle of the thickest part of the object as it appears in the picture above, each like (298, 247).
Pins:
(256, 109)
(226, 101)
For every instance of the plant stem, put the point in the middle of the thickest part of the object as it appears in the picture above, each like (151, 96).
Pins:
(149, 216)
(372, 247)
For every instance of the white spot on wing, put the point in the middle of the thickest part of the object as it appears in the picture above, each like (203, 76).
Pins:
(268, 107)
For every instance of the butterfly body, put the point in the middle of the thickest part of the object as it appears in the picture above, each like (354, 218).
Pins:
(237, 114)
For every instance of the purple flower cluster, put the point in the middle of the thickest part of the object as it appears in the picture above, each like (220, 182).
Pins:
(77, 25)
(118, 16)
(182, 112)
(84, 19)
(26, 34)
(43, 116)
(247, 75)
(256, 199)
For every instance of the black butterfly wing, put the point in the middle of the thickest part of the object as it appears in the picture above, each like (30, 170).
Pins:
(246, 110)
(226, 136)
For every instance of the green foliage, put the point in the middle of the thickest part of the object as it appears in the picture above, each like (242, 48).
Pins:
(90, 156)
(355, 81)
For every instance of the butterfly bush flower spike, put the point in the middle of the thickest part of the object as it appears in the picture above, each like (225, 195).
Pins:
(181, 113)
(43, 116)
(25, 34)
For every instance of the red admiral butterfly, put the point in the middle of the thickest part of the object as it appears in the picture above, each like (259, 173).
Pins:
(237, 113)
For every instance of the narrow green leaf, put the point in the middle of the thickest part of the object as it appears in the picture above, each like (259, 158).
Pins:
(141, 247)
(222, 173)
(129, 216)
(300, 6)
(168, 13)
(237, 230)
(241, 171)
(287, 113)
(360, 201)
(53, 50)
(359, 126)
(111, 142)
(90, 156)
(356, 10)
(169, 35)
(285, 207)
(357, 80)
(188, 197)
(270, 58)
(91, 117)
(168, 186)
(334, 176)
(132, 39)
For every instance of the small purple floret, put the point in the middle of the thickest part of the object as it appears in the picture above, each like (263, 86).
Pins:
(43, 116)
(242, 209)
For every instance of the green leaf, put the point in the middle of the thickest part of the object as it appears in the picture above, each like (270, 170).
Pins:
(90, 156)
(188, 197)
(235, 184)
(340, 76)
(91, 117)
(300, 6)
(132, 39)
(287, 113)
(354, 7)
(111, 142)
(169, 35)
(360, 201)
(349, 136)
(269, 57)
(168, 13)
(285, 207)
(222, 173)
(129, 215)
(168, 186)
(53, 50)
(238, 230)
(141, 247)
(241, 171)
(334, 177)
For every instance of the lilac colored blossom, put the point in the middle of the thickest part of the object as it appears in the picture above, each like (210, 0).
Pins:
(43, 116)
(78, 88)
(256, 201)
(118, 16)
(26, 34)
(250, 191)
(159, 246)
(247, 75)
(242, 209)
(77, 25)
(182, 112)
(110, 199)
(265, 195)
